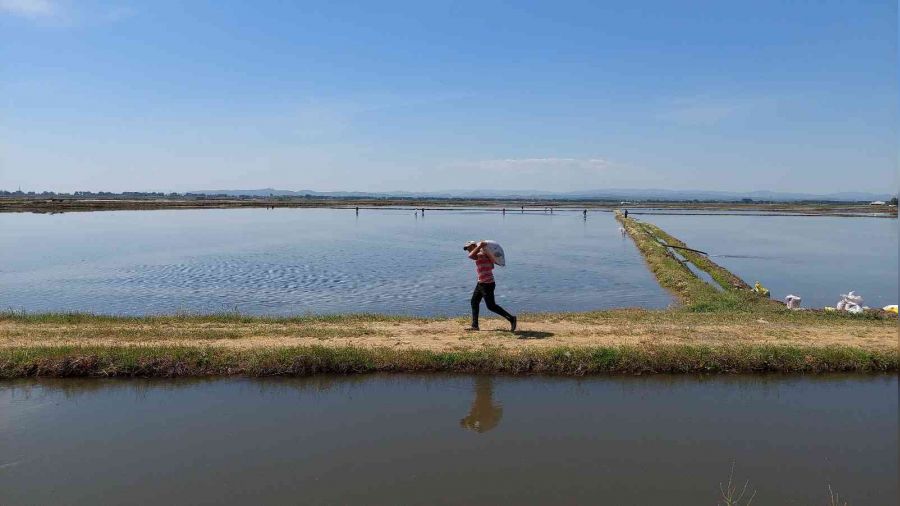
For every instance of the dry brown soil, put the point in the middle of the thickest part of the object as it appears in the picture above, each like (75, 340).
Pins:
(536, 331)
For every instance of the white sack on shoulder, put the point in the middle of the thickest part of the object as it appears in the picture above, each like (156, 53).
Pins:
(495, 251)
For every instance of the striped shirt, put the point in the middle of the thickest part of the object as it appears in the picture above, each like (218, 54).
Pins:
(485, 267)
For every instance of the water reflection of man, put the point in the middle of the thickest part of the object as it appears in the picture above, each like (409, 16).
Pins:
(484, 415)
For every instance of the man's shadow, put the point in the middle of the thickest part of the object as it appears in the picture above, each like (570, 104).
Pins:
(532, 334)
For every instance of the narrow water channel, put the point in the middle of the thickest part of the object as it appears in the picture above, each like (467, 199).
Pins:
(384, 439)
(817, 258)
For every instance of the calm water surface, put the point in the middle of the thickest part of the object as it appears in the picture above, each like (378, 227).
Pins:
(817, 258)
(448, 440)
(291, 261)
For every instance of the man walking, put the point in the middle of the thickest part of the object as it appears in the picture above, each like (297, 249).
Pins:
(485, 287)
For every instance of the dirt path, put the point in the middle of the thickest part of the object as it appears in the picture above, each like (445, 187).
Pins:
(601, 329)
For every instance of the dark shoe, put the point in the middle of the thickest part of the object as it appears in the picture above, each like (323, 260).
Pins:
(512, 324)
(473, 328)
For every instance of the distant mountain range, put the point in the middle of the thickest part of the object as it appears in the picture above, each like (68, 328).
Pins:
(610, 194)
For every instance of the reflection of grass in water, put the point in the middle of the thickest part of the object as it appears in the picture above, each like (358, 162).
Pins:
(834, 499)
(733, 494)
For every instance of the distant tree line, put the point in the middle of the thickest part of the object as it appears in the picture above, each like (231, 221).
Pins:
(18, 193)
(535, 200)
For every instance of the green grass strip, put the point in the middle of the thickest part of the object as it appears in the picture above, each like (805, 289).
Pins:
(164, 361)
(674, 276)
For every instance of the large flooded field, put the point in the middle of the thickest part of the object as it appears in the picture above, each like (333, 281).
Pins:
(817, 258)
(295, 261)
(449, 440)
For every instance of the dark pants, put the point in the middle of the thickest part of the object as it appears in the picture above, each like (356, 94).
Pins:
(486, 291)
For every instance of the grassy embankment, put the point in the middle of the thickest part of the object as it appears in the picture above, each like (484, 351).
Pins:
(673, 275)
(732, 330)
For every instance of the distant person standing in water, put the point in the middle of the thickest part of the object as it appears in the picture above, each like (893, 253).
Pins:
(486, 285)
(626, 213)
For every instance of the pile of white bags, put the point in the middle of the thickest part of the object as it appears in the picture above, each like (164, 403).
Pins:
(792, 301)
(850, 302)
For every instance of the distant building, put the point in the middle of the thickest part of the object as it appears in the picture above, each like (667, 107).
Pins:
(877, 203)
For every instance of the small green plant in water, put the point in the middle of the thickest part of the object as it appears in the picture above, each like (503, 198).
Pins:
(731, 496)
(834, 499)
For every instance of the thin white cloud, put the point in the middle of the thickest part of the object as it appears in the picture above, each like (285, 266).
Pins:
(552, 173)
(326, 119)
(539, 164)
(711, 111)
(33, 9)
(68, 13)
(699, 114)
(118, 13)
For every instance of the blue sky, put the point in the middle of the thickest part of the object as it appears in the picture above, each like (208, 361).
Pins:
(186, 95)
